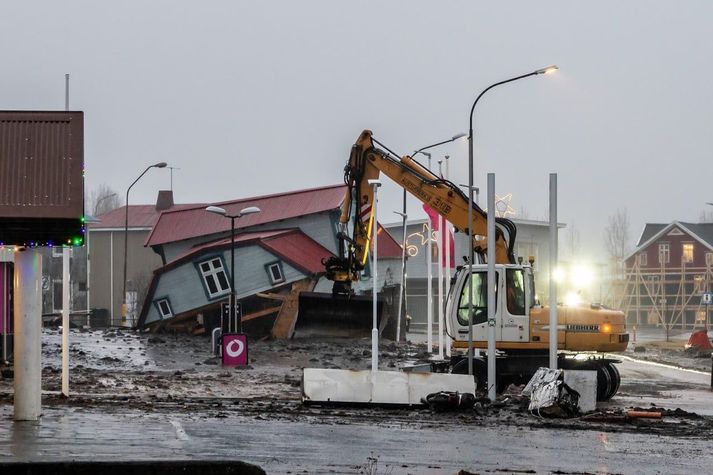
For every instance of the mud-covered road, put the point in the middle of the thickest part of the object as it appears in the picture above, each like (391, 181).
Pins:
(172, 395)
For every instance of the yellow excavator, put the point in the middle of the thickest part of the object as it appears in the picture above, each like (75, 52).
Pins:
(522, 325)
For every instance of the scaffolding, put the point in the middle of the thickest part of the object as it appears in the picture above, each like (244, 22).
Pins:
(668, 297)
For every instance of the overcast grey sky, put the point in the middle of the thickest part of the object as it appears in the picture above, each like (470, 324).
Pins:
(249, 98)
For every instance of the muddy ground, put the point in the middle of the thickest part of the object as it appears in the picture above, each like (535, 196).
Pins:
(120, 370)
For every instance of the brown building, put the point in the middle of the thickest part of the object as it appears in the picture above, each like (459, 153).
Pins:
(106, 254)
(668, 274)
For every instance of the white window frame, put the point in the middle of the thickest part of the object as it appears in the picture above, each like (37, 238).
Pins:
(213, 274)
(160, 310)
(709, 258)
(57, 251)
(665, 251)
(683, 252)
(643, 259)
(269, 268)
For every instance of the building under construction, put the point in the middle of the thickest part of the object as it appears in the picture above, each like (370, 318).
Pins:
(666, 281)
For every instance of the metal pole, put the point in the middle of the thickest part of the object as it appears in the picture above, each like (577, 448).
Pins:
(447, 281)
(124, 307)
(65, 287)
(111, 278)
(402, 288)
(429, 274)
(5, 311)
(492, 378)
(553, 265)
(440, 277)
(375, 257)
(471, 172)
(28, 335)
(471, 251)
(89, 280)
(429, 288)
(66, 92)
(65, 321)
(231, 312)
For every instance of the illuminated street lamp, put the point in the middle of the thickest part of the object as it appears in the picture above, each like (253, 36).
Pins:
(124, 309)
(547, 70)
(233, 217)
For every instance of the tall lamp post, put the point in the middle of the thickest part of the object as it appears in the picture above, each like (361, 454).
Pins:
(233, 217)
(124, 309)
(471, 257)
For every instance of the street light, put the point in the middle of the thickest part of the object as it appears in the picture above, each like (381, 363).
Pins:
(546, 70)
(233, 217)
(96, 205)
(126, 235)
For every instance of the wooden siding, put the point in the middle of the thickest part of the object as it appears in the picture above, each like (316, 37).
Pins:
(185, 289)
(675, 242)
(141, 264)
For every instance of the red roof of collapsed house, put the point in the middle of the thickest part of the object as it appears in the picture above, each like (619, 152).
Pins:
(292, 245)
(177, 225)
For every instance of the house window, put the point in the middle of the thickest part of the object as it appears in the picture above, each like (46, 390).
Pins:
(643, 259)
(274, 271)
(664, 253)
(214, 277)
(164, 308)
(687, 253)
(709, 258)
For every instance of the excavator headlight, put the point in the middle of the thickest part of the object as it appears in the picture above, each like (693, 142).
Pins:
(605, 328)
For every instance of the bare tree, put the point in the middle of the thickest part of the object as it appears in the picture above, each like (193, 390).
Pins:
(102, 200)
(616, 237)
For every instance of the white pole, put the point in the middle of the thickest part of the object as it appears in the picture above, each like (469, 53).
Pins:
(491, 288)
(447, 277)
(5, 311)
(111, 278)
(28, 335)
(429, 288)
(553, 265)
(374, 260)
(440, 277)
(402, 287)
(65, 287)
(65, 321)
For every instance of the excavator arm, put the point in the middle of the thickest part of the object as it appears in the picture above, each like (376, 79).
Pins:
(367, 162)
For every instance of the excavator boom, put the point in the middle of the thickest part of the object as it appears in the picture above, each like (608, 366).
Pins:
(367, 162)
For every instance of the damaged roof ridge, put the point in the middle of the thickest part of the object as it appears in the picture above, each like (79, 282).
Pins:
(253, 198)
(171, 226)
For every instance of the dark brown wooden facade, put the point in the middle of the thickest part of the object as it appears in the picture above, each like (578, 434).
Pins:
(667, 275)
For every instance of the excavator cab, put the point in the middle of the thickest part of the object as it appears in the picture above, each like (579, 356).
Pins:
(514, 297)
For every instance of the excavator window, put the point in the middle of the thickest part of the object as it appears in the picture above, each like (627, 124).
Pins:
(515, 284)
(480, 299)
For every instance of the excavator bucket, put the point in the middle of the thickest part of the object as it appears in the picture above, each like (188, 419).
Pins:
(326, 314)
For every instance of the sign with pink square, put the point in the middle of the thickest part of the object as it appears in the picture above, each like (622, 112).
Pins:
(235, 349)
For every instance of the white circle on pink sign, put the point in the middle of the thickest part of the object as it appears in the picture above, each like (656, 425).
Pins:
(234, 353)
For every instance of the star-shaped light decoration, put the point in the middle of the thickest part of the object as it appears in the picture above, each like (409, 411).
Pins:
(502, 206)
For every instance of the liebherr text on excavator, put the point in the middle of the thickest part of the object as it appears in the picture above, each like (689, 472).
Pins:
(522, 325)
